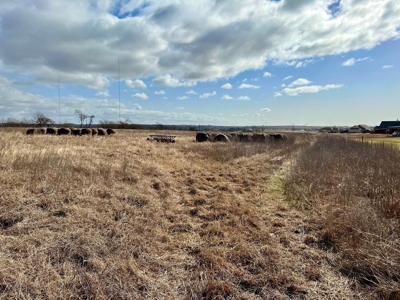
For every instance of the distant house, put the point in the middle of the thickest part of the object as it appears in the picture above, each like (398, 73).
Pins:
(354, 129)
(329, 129)
(387, 127)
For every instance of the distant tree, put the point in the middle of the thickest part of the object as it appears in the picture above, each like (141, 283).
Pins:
(41, 120)
(81, 116)
(91, 120)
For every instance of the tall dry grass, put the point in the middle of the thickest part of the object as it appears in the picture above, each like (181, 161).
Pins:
(353, 191)
(120, 217)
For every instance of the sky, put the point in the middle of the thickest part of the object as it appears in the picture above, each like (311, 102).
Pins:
(202, 62)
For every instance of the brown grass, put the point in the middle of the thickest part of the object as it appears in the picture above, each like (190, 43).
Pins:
(119, 217)
(353, 192)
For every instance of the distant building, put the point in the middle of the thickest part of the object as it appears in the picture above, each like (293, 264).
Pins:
(329, 129)
(387, 127)
(354, 129)
(360, 128)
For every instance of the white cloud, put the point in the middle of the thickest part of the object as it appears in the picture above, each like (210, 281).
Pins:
(304, 63)
(257, 114)
(102, 94)
(277, 94)
(227, 86)
(309, 89)
(183, 98)
(191, 92)
(267, 74)
(288, 77)
(165, 98)
(248, 86)
(352, 61)
(135, 83)
(226, 97)
(168, 80)
(141, 96)
(265, 109)
(300, 81)
(206, 95)
(137, 106)
(160, 92)
(180, 108)
(349, 62)
(192, 40)
(244, 98)
(387, 66)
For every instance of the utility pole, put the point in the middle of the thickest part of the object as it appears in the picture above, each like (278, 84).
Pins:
(119, 93)
(59, 103)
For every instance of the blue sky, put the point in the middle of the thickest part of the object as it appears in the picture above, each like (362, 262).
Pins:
(315, 62)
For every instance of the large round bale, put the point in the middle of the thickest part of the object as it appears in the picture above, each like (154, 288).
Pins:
(259, 137)
(94, 131)
(245, 137)
(64, 131)
(101, 131)
(233, 136)
(76, 131)
(30, 131)
(277, 137)
(86, 131)
(52, 130)
(202, 137)
(41, 130)
(110, 131)
(221, 138)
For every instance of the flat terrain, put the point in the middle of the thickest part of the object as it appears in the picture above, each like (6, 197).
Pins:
(120, 217)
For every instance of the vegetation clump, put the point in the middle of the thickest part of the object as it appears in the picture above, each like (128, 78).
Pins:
(352, 190)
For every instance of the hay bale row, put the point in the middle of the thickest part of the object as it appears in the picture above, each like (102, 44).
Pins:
(70, 131)
(240, 137)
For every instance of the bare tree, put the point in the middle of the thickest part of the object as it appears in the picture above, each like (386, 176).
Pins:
(82, 116)
(41, 120)
(91, 120)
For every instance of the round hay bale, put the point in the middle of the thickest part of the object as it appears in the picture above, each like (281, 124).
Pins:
(94, 131)
(76, 131)
(101, 131)
(259, 137)
(64, 131)
(202, 137)
(30, 131)
(41, 130)
(52, 130)
(277, 137)
(110, 131)
(221, 138)
(86, 131)
(245, 137)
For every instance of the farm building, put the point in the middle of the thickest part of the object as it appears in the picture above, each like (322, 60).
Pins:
(329, 129)
(387, 127)
(360, 128)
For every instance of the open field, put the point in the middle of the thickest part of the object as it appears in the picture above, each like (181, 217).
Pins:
(369, 138)
(120, 217)
(352, 190)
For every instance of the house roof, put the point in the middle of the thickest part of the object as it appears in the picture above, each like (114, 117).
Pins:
(387, 124)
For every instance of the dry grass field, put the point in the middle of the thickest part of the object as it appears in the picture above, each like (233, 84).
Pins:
(352, 189)
(120, 217)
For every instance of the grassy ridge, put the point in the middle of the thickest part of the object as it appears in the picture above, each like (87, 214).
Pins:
(353, 190)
